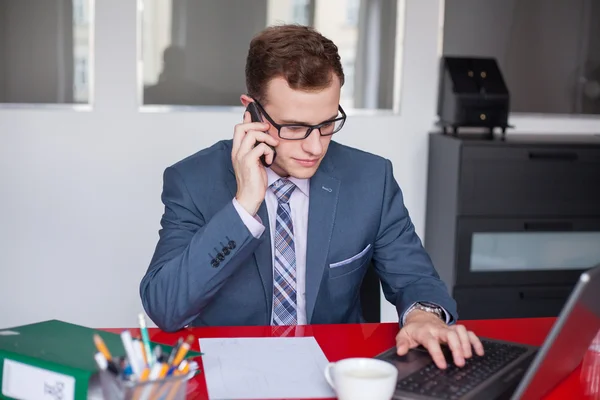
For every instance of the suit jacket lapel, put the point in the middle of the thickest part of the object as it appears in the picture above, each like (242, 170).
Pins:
(324, 190)
(264, 259)
(262, 254)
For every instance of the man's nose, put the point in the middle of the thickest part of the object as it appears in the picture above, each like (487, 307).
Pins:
(312, 144)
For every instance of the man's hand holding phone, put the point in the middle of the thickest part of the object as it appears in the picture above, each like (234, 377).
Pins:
(250, 174)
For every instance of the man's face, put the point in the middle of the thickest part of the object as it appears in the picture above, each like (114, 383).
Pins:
(300, 158)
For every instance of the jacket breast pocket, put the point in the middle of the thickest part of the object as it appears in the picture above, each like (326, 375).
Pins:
(350, 264)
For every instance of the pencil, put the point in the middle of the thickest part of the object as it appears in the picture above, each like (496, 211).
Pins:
(145, 374)
(185, 347)
(101, 346)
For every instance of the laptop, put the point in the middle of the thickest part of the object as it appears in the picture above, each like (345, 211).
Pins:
(508, 370)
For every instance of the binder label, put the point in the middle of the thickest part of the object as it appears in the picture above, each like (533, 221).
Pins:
(23, 381)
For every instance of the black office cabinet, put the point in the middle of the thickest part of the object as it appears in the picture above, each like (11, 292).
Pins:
(511, 223)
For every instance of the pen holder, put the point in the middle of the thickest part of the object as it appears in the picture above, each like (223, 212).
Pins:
(170, 388)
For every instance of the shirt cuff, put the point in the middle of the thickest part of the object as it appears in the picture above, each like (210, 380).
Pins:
(254, 224)
(447, 315)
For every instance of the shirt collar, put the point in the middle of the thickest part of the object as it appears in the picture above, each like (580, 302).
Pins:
(302, 184)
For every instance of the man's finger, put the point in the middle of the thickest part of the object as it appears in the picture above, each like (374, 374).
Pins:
(238, 132)
(262, 149)
(241, 131)
(402, 345)
(454, 343)
(433, 346)
(252, 136)
(465, 341)
(476, 343)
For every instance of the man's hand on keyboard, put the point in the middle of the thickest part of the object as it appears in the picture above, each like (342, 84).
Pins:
(423, 328)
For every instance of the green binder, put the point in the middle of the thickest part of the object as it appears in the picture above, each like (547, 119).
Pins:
(56, 347)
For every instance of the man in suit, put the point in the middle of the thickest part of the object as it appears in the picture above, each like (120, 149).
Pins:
(243, 244)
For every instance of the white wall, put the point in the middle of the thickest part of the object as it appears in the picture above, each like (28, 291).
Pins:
(80, 197)
(540, 63)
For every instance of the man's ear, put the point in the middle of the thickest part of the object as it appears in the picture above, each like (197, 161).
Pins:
(245, 99)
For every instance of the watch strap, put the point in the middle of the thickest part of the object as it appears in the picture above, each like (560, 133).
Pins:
(427, 307)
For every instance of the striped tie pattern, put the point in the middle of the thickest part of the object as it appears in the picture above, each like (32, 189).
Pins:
(284, 271)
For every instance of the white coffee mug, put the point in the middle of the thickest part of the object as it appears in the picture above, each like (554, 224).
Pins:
(362, 378)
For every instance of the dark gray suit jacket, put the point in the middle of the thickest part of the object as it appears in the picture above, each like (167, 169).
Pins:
(356, 214)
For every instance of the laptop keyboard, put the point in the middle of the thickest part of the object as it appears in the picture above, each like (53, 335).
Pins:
(454, 382)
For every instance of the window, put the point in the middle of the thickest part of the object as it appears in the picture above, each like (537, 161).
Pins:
(352, 10)
(194, 53)
(348, 89)
(80, 88)
(520, 251)
(44, 48)
(301, 12)
(548, 51)
(80, 12)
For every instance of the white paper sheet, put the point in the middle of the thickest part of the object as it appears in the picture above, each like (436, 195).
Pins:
(265, 368)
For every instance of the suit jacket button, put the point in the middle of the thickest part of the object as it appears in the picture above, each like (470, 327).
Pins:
(226, 250)
(220, 256)
(231, 244)
(214, 263)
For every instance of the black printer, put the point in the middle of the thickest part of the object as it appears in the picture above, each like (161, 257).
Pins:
(472, 93)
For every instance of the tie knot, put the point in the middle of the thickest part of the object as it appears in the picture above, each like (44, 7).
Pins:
(283, 189)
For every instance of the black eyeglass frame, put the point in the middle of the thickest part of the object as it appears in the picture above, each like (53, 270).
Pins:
(309, 128)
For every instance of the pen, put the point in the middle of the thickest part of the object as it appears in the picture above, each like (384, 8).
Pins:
(145, 339)
(104, 364)
(128, 345)
(157, 354)
(183, 349)
(174, 351)
(142, 353)
(138, 351)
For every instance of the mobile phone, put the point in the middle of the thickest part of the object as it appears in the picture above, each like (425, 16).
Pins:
(255, 115)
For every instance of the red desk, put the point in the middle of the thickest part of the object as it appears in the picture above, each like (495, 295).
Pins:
(367, 340)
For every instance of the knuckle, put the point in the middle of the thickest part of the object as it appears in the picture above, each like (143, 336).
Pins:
(433, 328)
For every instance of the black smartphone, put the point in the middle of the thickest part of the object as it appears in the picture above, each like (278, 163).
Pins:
(255, 115)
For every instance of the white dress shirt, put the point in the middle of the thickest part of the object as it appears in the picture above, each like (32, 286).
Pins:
(299, 208)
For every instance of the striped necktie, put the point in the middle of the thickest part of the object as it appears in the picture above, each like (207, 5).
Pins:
(284, 268)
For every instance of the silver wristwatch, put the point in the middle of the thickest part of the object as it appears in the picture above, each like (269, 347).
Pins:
(428, 307)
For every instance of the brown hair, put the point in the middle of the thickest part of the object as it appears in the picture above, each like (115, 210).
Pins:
(300, 54)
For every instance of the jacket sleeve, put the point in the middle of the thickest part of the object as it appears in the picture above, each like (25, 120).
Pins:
(406, 270)
(184, 274)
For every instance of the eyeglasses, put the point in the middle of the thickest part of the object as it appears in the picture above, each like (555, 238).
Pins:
(302, 131)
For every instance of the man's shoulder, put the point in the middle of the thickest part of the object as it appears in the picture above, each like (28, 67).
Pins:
(211, 159)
